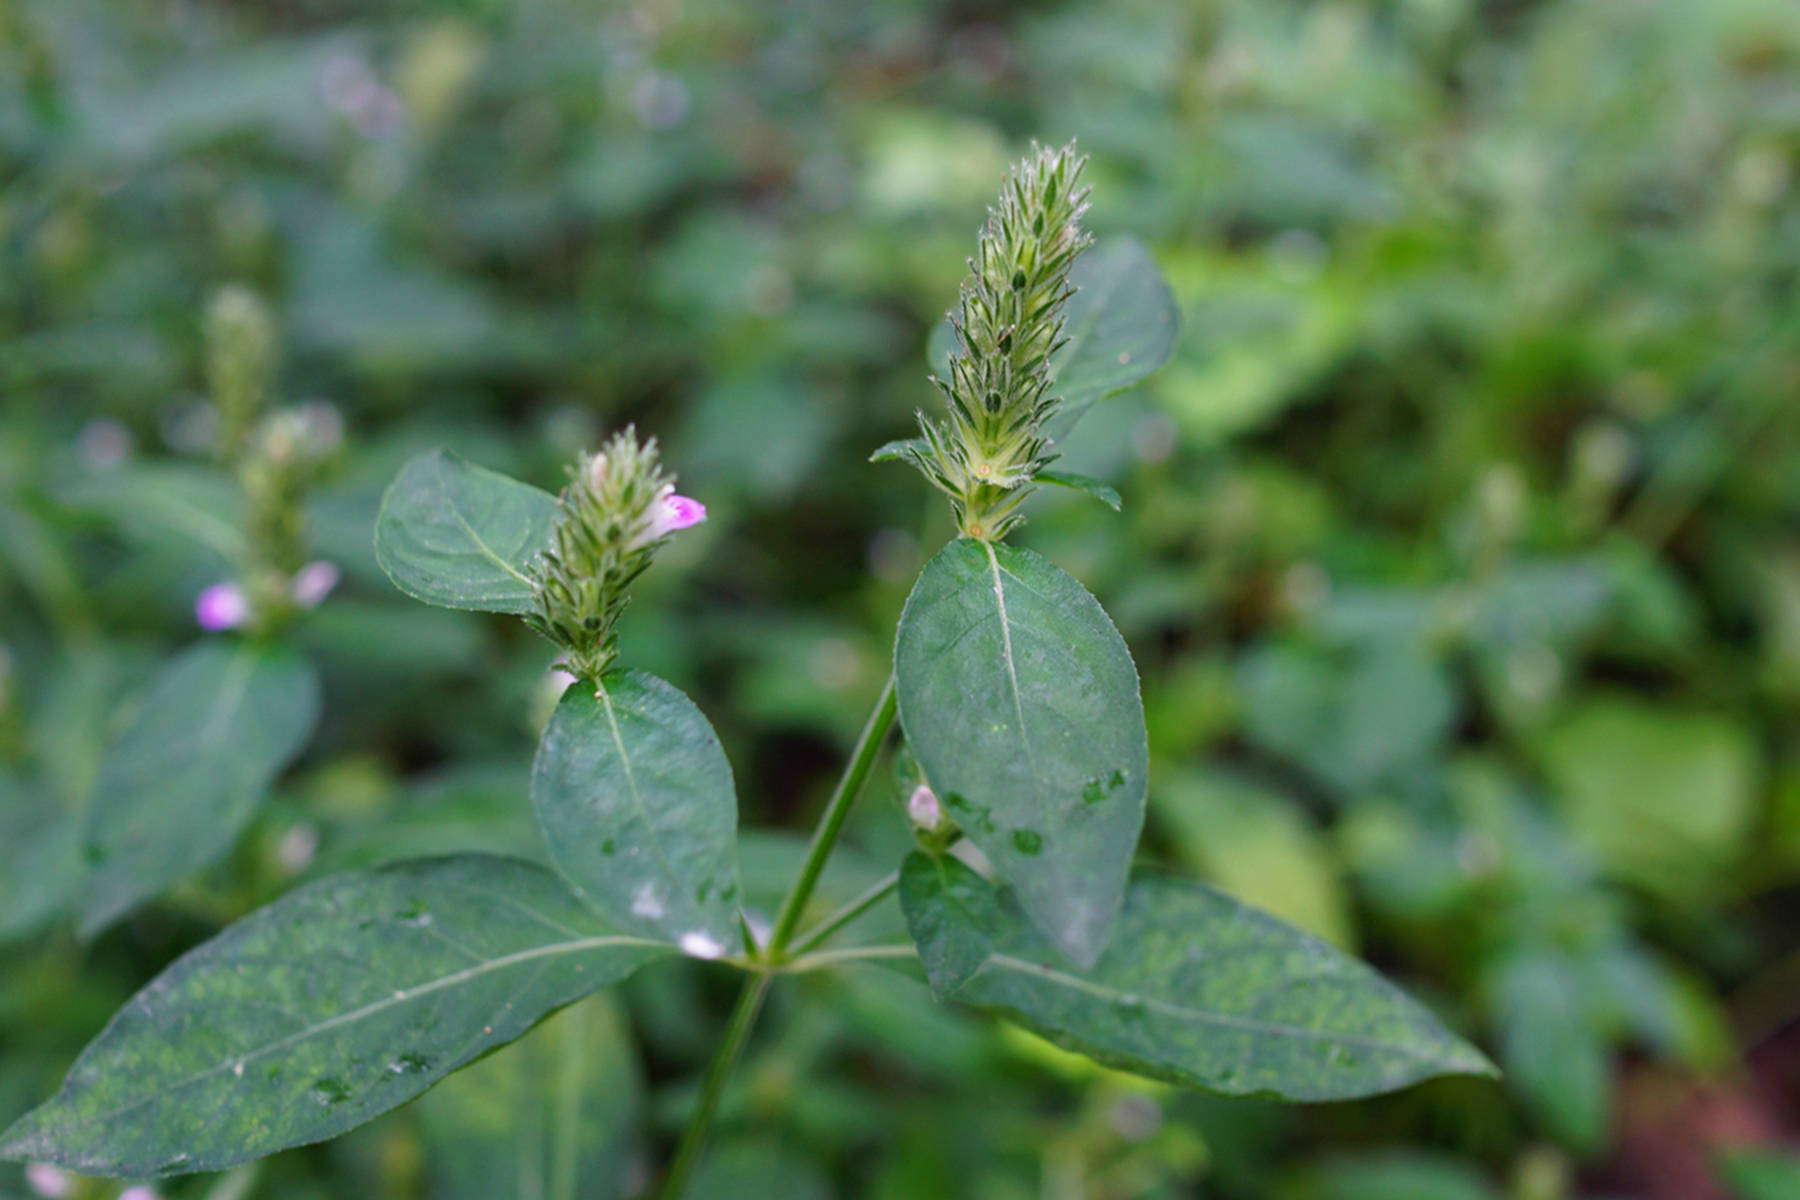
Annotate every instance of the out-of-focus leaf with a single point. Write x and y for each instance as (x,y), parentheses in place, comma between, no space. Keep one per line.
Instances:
(40,858)
(332,1005)
(462,536)
(1761,1174)
(1393,1176)
(638,808)
(738,1170)
(1663,796)
(1122,323)
(1553,1052)
(1254,843)
(1195,989)
(208,738)
(554,1114)
(1020,701)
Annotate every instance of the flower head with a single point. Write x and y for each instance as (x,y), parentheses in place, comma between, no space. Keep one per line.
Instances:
(988,449)
(617,510)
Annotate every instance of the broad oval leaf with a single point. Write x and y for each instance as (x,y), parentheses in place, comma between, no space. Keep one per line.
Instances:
(462,536)
(176,788)
(337,1002)
(1121,327)
(637,805)
(1020,701)
(1196,989)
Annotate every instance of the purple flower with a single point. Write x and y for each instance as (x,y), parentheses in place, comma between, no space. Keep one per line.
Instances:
(313,582)
(222,606)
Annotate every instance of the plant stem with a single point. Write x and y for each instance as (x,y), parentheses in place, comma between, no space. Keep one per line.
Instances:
(831,823)
(820,959)
(737,1033)
(749,1001)
(875,894)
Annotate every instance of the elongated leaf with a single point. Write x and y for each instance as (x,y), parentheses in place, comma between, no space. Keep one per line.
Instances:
(1087,485)
(334,1004)
(462,536)
(1195,989)
(553,1115)
(1020,701)
(214,729)
(638,808)
(1122,322)
(40,858)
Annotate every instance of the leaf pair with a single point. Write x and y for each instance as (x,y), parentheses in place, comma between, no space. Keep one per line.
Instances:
(631,787)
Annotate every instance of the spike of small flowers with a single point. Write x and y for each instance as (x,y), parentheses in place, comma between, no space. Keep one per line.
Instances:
(987,452)
(617,510)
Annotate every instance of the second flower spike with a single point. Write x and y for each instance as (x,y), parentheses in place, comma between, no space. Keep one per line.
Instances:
(618,508)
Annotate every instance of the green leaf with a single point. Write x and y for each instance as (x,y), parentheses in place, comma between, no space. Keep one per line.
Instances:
(209,736)
(555,1114)
(1122,322)
(462,536)
(1663,796)
(1556,1055)
(1020,701)
(1086,484)
(332,1005)
(639,811)
(1195,989)
(40,859)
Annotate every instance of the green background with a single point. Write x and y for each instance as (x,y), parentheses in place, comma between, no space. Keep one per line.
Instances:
(1460,553)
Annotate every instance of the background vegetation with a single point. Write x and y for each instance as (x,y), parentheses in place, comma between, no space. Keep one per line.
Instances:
(1461,546)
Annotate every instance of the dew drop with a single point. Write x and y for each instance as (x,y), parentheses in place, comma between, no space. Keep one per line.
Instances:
(701,945)
(410,1064)
(237,1068)
(329,1091)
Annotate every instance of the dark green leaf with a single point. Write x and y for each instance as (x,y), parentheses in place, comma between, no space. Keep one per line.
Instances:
(336,1003)
(1085,484)
(462,536)
(1020,701)
(208,738)
(1195,988)
(638,808)
(1555,1053)
(553,1115)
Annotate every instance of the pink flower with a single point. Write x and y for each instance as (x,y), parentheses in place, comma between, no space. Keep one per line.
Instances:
(681,511)
(922,806)
(313,582)
(220,607)
(669,514)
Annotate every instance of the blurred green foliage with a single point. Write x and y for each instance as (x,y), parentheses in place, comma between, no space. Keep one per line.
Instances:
(1461,544)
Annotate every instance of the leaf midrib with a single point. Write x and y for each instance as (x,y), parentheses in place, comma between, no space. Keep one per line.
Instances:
(1197,1015)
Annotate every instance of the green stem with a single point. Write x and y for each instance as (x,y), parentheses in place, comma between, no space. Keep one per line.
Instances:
(820,959)
(832,822)
(737,1033)
(875,894)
